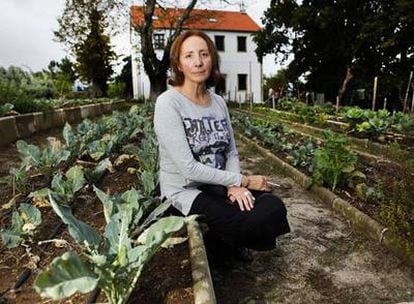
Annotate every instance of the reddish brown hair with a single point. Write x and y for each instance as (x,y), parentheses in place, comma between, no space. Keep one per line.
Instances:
(177,78)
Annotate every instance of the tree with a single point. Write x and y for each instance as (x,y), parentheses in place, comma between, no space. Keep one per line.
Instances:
(278,82)
(62,74)
(122,85)
(65,68)
(338,44)
(155,68)
(82,28)
(14,83)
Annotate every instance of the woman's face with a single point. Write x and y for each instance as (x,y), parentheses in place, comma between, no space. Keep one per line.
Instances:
(195,60)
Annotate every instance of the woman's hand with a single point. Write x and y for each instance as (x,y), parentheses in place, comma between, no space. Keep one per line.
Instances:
(242,196)
(258,182)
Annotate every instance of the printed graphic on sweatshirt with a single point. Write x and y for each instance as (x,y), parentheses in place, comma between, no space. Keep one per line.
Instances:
(209,139)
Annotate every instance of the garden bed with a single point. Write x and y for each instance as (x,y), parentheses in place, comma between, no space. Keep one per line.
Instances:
(167,278)
(378,148)
(385,193)
(25,125)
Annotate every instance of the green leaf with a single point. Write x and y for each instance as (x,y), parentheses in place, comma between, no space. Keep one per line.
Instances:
(24,221)
(131,197)
(29,154)
(158,232)
(348,169)
(94,175)
(40,193)
(116,233)
(359,174)
(68,135)
(58,184)
(107,202)
(97,149)
(80,231)
(30,214)
(149,180)
(66,275)
(156,213)
(10,238)
(75,178)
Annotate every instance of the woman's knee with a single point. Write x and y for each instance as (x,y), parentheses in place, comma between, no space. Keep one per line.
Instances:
(271,204)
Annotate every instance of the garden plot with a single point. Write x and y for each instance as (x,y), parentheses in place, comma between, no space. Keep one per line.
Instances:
(378,187)
(323,260)
(107,199)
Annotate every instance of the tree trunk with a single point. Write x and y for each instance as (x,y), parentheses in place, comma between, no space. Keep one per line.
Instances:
(96,90)
(155,68)
(347,79)
(158,85)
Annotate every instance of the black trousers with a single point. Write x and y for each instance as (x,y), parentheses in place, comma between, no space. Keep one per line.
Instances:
(256,229)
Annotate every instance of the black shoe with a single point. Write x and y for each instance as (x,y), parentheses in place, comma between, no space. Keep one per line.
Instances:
(244,255)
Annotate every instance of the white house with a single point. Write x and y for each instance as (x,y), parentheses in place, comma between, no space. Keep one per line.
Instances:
(232,33)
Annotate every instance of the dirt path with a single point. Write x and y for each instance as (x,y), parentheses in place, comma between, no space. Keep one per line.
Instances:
(323,260)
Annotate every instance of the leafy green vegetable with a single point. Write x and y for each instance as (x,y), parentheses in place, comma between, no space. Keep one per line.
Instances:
(65,276)
(64,187)
(333,163)
(116,265)
(45,160)
(24,223)
(19,179)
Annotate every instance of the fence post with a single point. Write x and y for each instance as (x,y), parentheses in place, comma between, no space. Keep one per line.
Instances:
(406,92)
(337,103)
(412,103)
(374,96)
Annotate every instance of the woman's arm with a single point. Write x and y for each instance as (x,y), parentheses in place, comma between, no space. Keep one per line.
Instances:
(171,136)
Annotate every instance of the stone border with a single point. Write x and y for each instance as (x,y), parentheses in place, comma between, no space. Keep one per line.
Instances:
(358,219)
(15,127)
(202,283)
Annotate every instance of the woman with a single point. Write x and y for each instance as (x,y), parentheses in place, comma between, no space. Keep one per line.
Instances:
(199,163)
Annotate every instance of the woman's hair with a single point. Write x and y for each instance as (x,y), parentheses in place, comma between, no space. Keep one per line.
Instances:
(177,77)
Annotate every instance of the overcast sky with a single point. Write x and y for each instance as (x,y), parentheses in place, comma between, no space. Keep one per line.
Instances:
(26,32)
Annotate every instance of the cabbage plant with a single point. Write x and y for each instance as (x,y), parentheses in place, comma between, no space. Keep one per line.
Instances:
(64,186)
(112,261)
(24,223)
(46,160)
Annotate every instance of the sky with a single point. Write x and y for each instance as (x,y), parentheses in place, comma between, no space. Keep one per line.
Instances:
(27,40)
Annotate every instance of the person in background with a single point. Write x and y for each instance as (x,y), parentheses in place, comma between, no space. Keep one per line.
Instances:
(199,163)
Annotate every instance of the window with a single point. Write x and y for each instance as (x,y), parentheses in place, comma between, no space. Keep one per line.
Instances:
(241,43)
(159,41)
(219,40)
(242,81)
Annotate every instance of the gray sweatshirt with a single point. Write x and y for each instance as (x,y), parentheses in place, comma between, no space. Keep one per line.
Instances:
(196,147)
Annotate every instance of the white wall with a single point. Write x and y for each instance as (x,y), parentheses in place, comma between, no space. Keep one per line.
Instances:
(232,63)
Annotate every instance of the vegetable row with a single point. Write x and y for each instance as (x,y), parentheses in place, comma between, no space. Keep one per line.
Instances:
(111,259)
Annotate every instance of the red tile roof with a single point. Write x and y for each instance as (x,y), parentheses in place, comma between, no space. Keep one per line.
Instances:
(200,19)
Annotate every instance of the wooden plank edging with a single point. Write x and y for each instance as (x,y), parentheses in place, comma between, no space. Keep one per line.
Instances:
(357,218)
(15,127)
(202,282)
